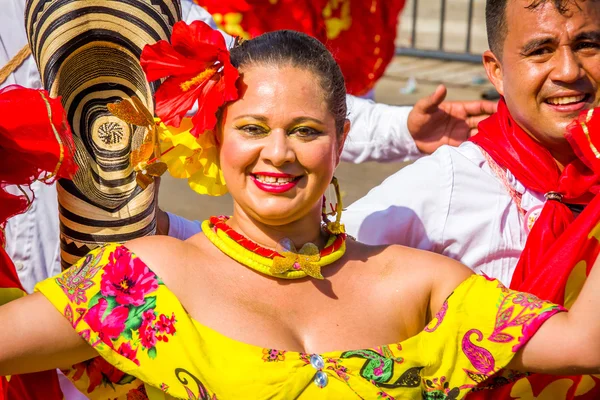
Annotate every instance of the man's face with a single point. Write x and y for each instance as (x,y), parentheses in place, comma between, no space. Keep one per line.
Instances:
(550,67)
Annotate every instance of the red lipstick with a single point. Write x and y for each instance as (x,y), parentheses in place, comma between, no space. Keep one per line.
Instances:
(275,187)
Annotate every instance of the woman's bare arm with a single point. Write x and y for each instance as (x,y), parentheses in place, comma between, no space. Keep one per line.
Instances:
(36,337)
(568,343)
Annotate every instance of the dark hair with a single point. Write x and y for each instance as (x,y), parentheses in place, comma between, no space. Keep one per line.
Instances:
(301,51)
(495,19)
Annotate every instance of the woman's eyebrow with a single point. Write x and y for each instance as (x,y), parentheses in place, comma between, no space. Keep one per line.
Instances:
(260,118)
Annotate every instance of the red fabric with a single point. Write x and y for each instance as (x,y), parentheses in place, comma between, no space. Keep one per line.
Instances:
(558,243)
(31,128)
(359,34)
(368,46)
(197,66)
(512,148)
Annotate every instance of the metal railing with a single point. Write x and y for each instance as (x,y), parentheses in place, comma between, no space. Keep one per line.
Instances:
(441,53)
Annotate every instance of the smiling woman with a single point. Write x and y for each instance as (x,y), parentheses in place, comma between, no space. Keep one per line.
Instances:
(238,312)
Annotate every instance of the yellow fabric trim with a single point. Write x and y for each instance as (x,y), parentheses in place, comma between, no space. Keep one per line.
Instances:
(10,294)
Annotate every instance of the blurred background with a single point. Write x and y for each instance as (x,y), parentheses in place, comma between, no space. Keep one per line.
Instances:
(437,41)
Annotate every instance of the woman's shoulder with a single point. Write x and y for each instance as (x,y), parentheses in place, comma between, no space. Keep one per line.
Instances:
(167,257)
(436,273)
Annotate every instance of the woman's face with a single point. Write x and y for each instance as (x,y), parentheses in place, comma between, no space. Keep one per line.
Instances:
(278,145)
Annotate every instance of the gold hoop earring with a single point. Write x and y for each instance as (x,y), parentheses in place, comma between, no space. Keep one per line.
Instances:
(334,227)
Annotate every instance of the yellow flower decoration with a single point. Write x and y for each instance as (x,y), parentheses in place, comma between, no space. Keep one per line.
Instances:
(191,158)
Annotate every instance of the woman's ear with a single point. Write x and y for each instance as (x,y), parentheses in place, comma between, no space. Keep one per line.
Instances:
(342,141)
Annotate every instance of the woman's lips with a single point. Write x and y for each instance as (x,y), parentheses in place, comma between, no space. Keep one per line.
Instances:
(275,182)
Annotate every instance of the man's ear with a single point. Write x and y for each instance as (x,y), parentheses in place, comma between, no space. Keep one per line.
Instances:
(342,140)
(493,69)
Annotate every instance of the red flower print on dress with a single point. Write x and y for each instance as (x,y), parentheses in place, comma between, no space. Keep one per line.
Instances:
(165,324)
(128,352)
(148,335)
(127,278)
(98,371)
(109,327)
(197,66)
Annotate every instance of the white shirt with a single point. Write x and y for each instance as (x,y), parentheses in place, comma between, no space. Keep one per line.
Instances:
(451,203)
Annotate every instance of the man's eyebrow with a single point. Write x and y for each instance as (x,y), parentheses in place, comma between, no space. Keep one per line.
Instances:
(535,43)
(593,36)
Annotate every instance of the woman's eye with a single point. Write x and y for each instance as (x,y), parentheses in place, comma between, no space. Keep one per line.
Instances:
(253,129)
(304,131)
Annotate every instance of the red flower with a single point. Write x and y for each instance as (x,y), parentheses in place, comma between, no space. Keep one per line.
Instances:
(148,335)
(110,327)
(166,325)
(127,278)
(98,371)
(128,352)
(148,316)
(197,67)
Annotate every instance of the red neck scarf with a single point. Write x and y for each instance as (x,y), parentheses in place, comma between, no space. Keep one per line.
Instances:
(560,249)
(512,148)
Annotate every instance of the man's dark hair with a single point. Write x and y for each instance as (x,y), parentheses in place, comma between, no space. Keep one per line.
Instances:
(495,19)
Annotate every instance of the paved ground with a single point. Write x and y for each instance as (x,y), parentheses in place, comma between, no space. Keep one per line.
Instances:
(356,180)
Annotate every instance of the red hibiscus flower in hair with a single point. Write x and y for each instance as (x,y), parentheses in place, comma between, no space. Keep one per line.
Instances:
(197,66)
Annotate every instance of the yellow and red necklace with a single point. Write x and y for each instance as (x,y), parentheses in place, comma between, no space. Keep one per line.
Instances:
(286,263)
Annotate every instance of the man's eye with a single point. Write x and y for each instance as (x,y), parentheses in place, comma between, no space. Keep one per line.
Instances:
(588,45)
(540,51)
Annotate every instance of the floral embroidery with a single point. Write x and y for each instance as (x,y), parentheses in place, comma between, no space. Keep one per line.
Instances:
(128,352)
(439,317)
(271,355)
(339,369)
(126,278)
(379,367)
(480,358)
(529,321)
(439,389)
(528,301)
(111,326)
(100,372)
(384,395)
(201,390)
(138,393)
(77,280)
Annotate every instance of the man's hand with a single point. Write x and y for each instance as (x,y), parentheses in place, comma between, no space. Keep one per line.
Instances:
(433,123)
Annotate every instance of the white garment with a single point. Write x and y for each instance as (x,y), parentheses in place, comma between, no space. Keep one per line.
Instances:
(378,132)
(450,203)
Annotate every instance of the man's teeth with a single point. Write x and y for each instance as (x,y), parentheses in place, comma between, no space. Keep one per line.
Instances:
(565,100)
(272,179)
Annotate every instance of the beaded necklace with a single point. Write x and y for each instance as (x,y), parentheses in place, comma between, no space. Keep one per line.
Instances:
(287,263)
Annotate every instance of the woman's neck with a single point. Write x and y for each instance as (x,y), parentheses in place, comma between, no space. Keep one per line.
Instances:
(304,230)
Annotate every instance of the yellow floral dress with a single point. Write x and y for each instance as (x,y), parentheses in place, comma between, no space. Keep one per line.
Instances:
(150,348)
